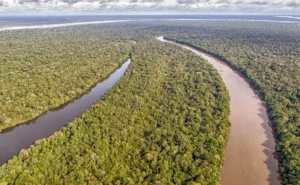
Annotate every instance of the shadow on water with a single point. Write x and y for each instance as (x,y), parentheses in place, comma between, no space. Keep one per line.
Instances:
(59,107)
(264,144)
(274,176)
(12,140)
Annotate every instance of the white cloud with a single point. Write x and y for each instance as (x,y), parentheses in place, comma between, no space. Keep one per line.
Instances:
(150,5)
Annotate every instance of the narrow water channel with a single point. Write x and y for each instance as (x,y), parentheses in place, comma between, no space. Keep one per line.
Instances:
(249,158)
(20,137)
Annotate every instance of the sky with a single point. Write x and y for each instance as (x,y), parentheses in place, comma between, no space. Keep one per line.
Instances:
(291,7)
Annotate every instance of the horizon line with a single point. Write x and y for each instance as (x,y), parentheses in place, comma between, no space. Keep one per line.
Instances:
(142,14)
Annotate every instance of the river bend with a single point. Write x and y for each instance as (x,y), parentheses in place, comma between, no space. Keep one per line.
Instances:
(22,136)
(249,154)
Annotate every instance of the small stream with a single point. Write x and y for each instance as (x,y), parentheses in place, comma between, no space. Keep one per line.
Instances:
(249,154)
(14,139)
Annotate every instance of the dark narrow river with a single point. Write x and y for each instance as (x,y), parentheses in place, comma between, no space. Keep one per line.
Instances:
(249,153)
(20,137)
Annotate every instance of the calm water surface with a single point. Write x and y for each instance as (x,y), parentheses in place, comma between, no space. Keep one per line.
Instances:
(249,158)
(14,139)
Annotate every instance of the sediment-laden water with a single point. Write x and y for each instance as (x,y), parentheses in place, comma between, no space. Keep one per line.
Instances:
(249,155)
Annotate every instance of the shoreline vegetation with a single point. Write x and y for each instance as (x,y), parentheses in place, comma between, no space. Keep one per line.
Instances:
(249,150)
(31,92)
(122,139)
(8,129)
(267,71)
(148,128)
(22,137)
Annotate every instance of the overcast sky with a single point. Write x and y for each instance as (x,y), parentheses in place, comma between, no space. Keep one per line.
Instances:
(151,6)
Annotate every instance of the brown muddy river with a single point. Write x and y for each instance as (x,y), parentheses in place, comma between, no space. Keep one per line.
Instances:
(14,139)
(249,153)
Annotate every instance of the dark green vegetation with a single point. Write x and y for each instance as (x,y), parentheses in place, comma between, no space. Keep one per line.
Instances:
(42,69)
(165,122)
(268,55)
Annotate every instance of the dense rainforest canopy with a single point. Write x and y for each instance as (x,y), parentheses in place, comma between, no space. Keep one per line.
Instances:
(42,69)
(165,122)
(268,55)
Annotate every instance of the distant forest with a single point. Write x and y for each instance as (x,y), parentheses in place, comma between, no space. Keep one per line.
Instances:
(167,120)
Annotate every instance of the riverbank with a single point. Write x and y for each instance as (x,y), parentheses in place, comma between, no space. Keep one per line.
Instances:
(146,129)
(14,139)
(249,153)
